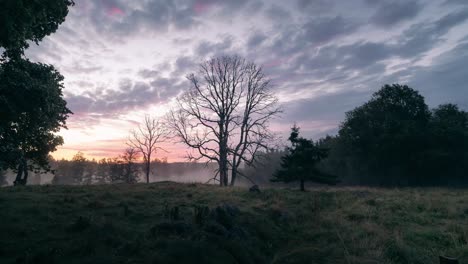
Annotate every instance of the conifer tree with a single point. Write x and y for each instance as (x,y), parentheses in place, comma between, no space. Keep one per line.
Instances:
(300,162)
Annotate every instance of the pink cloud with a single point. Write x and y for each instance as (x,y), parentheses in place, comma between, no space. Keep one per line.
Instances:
(201,7)
(115,11)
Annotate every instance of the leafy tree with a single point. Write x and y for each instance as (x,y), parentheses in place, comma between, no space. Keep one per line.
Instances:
(62,173)
(116,169)
(31,104)
(131,171)
(339,163)
(300,163)
(388,134)
(32,110)
(25,20)
(77,168)
(447,157)
(102,171)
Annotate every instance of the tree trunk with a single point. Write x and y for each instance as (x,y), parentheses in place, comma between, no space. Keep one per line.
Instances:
(19,174)
(223,162)
(22,170)
(147,170)
(233,176)
(302,185)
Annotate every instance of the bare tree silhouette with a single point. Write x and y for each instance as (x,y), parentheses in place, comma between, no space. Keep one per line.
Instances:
(224,117)
(145,140)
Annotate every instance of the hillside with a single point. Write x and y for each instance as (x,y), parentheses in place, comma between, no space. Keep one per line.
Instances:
(193,223)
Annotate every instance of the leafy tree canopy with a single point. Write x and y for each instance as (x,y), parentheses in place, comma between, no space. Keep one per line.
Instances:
(32,110)
(388,130)
(29,20)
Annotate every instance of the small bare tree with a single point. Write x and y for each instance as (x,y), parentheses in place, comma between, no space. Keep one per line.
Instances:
(224,117)
(145,140)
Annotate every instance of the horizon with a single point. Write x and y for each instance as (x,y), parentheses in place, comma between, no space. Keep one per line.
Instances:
(122,60)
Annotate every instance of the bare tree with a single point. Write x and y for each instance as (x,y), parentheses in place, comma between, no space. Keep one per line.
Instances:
(224,117)
(145,140)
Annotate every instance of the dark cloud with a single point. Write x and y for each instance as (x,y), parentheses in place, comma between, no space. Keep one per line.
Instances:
(314,6)
(318,47)
(256,39)
(184,64)
(446,80)
(330,107)
(117,18)
(218,47)
(456,2)
(421,37)
(130,95)
(321,30)
(277,13)
(83,67)
(148,74)
(390,13)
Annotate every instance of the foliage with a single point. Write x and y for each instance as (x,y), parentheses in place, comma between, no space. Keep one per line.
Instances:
(24,20)
(301,160)
(125,168)
(447,155)
(32,110)
(394,139)
(137,224)
(71,172)
(387,133)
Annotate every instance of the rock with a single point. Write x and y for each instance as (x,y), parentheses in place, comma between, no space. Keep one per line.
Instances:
(254,189)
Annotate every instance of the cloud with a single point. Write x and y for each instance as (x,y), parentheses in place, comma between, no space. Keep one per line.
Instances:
(276,13)
(390,13)
(314,6)
(421,37)
(130,95)
(324,57)
(326,107)
(445,81)
(217,47)
(322,30)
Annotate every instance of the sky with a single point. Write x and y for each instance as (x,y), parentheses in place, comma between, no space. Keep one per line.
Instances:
(124,59)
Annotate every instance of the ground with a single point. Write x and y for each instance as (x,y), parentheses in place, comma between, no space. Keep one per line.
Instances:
(194,223)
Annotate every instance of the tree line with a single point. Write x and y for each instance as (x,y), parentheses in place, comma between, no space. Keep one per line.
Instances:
(394,139)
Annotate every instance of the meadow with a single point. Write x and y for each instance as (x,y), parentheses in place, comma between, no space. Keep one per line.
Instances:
(194,223)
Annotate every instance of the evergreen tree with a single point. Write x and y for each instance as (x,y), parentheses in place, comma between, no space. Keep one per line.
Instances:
(300,163)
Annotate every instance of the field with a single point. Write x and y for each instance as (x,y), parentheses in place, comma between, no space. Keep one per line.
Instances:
(194,223)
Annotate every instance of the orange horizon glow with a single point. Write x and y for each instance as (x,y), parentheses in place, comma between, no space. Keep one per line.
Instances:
(113,148)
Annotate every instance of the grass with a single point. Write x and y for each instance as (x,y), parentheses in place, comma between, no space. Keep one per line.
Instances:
(194,223)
